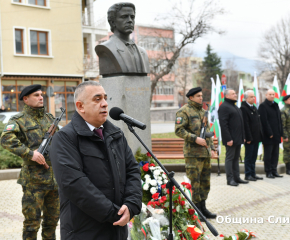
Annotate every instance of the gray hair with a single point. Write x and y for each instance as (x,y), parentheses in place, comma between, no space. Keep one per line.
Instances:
(246,94)
(81,87)
(112,12)
(226,92)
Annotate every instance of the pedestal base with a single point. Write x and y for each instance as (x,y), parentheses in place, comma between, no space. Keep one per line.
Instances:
(132,95)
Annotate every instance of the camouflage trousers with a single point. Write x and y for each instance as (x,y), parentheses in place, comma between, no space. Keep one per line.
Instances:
(286,152)
(35,201)
(198,171)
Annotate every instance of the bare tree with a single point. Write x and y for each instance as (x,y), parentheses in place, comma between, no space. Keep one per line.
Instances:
(275,49)
(183,74)
(189,23)
(231,73)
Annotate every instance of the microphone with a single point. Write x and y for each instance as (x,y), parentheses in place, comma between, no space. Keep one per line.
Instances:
(118,114)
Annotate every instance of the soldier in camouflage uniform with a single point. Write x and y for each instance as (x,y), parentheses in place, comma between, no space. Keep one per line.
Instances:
(285,116)
(197,151)
(22,136)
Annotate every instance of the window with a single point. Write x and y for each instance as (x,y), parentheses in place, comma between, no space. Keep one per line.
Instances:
(19,48)
(37,2)
(17,1)
(39,43)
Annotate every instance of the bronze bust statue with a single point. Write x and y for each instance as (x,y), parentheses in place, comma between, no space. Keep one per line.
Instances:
(120,55)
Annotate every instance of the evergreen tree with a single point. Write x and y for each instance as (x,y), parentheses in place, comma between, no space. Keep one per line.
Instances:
(210,67)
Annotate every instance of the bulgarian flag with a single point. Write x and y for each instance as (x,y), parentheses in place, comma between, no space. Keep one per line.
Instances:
(212,111)
(219,97)
(276,90)
(286,89)
(215,128)
(256,91)
(277,100)
(241,94)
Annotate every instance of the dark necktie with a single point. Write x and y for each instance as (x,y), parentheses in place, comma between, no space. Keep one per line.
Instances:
(99,132)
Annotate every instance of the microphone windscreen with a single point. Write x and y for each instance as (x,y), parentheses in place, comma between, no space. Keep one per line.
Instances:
(115,113)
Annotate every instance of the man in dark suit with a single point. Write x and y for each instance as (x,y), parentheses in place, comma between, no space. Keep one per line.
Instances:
(272,132)
(98,177)
(120,55)
(232,129)
(253,132)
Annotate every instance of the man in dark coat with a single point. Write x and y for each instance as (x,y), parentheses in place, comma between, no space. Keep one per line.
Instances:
(98,176)
(253,133)
(232,130)
(270,116)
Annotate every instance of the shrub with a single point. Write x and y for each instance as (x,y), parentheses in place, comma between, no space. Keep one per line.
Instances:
(8,159)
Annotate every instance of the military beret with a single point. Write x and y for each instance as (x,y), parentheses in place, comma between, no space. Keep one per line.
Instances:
(285,98)
(193,91)
(28,90)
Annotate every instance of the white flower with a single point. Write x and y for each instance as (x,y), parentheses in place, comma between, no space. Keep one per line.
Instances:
(159,178)
(147,176)
(153,190)
(146,187)
(153,182)
(147,180)
(165,181)
(144,208)
(164,176)
(159,182)
(156,172)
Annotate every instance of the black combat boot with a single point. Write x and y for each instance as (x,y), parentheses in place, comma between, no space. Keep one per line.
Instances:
(205,212)
(198,205)
(288,168)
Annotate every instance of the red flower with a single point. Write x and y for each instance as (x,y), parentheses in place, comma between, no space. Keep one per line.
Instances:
(173,210)
(182,203)
(221,235)
(157,203)
(148,154)
(155,196)
(163,199)
(163,186)
(183,183)
(146,167)
(149,203)
(152,165)
(191,211)
(188,186)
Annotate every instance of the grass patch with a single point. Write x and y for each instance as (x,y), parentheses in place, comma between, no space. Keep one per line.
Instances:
(222,154)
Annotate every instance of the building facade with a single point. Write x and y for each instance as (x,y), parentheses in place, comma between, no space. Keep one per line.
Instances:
(41,43)
(159,42)
(93,30)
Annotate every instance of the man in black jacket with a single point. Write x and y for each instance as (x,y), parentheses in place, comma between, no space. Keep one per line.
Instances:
(272,132)
(232,129)
(99,179)
(253,132)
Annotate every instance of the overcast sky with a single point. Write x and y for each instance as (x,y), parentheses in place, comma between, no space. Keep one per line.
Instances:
(244,22)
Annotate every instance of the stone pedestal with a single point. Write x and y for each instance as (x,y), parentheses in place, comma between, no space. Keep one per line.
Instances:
(132,95)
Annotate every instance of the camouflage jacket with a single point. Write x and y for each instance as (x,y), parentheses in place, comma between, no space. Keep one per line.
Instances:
(188,126)
(285,116)
(22,135)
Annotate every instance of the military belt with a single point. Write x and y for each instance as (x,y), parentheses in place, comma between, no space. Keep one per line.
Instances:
(33,163)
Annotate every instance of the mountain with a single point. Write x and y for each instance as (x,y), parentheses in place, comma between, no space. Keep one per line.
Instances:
(242,64)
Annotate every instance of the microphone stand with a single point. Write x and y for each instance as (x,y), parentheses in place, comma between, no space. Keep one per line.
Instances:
(172,182)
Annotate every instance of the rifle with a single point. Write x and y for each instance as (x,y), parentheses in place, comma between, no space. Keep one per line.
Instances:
(48,136)
(203,133)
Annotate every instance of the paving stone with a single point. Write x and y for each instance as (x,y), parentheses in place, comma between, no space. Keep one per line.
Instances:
(260,199)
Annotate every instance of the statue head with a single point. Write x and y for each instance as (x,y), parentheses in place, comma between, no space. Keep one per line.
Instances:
(121,16)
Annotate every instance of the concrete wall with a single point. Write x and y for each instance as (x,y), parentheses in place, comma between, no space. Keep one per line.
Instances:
(62,19)
(163,113)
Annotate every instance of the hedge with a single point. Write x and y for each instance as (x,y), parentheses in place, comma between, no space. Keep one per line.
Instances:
(8,159)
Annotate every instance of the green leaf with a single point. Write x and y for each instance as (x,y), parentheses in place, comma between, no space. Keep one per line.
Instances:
(166,204)
(175,197)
